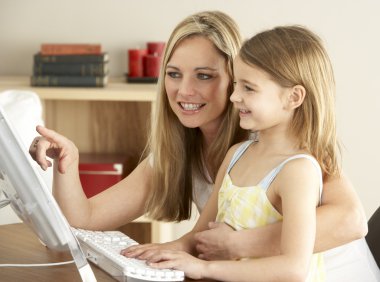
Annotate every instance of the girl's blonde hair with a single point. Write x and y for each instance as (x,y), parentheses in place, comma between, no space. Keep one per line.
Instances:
(177,150)
(293,55)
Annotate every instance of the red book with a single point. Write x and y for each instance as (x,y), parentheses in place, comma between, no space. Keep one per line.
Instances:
(98,172)
(70,49)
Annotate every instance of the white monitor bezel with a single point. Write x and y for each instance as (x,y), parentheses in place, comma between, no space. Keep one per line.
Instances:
(32,201)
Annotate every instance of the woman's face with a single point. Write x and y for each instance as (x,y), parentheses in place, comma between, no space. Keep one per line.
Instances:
(196,83)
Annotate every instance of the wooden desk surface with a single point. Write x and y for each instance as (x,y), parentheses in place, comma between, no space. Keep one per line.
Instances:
(19,245)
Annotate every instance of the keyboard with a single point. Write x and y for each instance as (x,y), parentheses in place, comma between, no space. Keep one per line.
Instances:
(102,248)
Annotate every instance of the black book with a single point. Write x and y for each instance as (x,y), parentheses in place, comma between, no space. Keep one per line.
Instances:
(69,81)
(101,58)
(73,69)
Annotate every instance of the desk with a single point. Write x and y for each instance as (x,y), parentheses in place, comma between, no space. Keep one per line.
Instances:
(18,244)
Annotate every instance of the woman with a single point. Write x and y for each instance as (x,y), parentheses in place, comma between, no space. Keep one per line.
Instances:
(193,129)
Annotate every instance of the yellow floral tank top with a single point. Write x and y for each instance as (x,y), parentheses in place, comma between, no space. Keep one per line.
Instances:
(249,207)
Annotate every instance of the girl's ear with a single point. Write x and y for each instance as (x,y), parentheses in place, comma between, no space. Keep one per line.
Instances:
(296,96)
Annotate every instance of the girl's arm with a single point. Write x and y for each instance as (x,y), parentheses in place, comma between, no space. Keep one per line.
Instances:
(340,220)
(296,194)
(110,209)
(186,242)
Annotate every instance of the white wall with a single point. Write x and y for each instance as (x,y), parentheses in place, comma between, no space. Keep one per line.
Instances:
(349,28)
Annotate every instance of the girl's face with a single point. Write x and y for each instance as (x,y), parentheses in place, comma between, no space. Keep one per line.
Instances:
(196,83)
(260,100)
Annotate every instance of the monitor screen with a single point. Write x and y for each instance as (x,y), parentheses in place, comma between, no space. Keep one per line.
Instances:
(29,197)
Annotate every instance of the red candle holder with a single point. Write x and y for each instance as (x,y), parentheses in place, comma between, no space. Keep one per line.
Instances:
(136,62)
(152,65)
(156,48)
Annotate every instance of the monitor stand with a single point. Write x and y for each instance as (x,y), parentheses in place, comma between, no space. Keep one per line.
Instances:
(80,260)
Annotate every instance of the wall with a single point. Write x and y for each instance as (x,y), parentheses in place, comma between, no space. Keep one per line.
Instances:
(349,29)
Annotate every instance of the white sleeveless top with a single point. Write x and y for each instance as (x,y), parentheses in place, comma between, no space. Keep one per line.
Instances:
(352,262)
(201,188)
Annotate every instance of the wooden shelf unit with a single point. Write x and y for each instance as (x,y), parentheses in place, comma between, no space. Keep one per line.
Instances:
(116,90)
(113,119)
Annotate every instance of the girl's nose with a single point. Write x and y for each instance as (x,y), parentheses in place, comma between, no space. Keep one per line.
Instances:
(235,97)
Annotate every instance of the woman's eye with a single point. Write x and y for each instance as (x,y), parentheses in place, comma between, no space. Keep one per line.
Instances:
(203,76)
(173,74)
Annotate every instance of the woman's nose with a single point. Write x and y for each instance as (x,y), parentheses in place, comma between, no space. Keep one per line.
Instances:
(187,87)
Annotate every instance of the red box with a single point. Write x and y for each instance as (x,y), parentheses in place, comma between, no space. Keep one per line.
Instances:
(98,172)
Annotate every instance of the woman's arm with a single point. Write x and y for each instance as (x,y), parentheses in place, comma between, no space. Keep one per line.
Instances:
(115,206)
(340,220)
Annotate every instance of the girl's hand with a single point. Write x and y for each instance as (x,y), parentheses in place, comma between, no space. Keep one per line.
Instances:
(193,268)
(147,251)
(53,145)
(214,244)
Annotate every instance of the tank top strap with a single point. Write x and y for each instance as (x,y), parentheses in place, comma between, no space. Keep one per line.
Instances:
(268,179)
(238,153)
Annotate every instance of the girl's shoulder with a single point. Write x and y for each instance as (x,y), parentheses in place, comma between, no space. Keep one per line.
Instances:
(230,154)
(239,146)
(236,146)
(301,164)
(235,152)
(301,170)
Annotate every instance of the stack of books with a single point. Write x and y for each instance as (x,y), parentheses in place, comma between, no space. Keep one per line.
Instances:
(70,65)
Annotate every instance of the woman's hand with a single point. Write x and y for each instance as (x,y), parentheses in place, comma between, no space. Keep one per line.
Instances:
(193,268)
(214,244)
(53,145)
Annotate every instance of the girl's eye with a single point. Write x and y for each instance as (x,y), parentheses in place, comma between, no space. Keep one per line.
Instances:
(173,74)
(203,76)
(247,88)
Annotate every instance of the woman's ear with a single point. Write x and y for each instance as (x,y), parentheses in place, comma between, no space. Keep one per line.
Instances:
(296,96)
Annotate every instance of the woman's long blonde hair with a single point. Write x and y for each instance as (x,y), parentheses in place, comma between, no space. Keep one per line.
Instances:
(177,150)
(293,55)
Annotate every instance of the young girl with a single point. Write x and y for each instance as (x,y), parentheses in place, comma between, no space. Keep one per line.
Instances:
(284,91)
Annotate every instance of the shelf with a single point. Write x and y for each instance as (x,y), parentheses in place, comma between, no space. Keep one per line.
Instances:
(116,90)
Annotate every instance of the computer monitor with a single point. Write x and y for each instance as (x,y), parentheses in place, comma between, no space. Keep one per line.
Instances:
(32,201)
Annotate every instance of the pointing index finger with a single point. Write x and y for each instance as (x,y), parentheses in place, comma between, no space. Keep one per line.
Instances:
(50,135)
